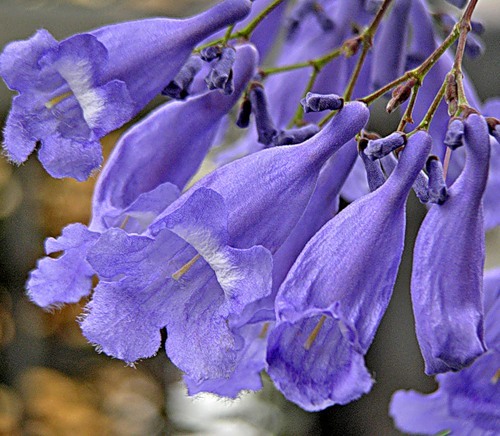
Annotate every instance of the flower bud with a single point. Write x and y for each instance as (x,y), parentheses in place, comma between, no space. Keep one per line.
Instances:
(208,54)
(265,125)
(244,114)
(295,136)
(378,148)
(178,88)
(455,134)
(400,94)
(438,191)
(221,75)
(321,102)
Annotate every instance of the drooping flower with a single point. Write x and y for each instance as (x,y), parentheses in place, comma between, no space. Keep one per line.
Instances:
(207,257)
(73,92)
(446,284)
(491,204)
(331,303)
(466,401)
(389,55)
(149,166)
(258,318)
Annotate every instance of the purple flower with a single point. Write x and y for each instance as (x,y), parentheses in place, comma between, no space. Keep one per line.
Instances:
(331,303)
(466,401)
(446,284)
(389,55)
(207,257)
(74,92)
(171,144)
(491,203)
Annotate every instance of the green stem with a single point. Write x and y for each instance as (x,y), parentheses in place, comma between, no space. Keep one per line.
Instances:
(228,33)
(298,117)
(246,32)
(426,121)
(417,73)
(355,74)
(275,70)
(317,63)
(367,40)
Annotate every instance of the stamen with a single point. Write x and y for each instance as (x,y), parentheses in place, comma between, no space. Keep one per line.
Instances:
(264,330)
(125,222)
(314,334)
(50,104)
(185,268)
(496,377)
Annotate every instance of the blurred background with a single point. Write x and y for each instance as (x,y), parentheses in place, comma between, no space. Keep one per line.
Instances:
(53,383)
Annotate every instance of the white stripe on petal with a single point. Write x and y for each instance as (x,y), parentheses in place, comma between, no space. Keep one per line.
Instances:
(79,77)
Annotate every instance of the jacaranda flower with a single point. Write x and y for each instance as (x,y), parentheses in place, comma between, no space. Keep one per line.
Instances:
(73,92)
(150,165)
(466,402)
(331,303)
(389,55)
(207,257)
(448,260)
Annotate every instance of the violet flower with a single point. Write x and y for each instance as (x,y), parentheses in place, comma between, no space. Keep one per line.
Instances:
(389,55)
(74,92)
(446,284)
(331,303)
(207,257)
(150,164)
(491,204)
(466,401)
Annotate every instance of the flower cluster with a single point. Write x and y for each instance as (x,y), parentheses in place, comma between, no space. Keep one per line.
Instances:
(254,267)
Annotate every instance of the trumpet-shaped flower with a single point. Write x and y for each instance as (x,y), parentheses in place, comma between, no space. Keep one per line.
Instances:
(448,260)
(73,92)
(207,257)
(466,401)
(331,303)
(149,165)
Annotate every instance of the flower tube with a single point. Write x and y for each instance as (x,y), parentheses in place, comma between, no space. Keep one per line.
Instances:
(331,303)
(448,260)
(73,92)
(150,165)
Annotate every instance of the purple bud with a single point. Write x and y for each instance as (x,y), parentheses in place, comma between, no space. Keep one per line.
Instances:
(438,191)
(244,114)
(474,47)
(178,88)
(378,148)
(208,54)
(455,134)
(477,27)
(221,75)
(321,102)
(374,173)
(265,125)
(421,188)
(295,136)
(458,3)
